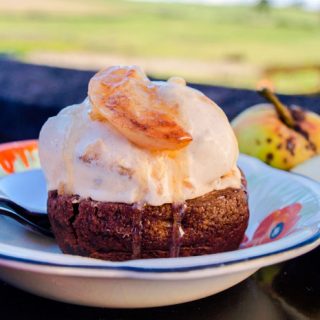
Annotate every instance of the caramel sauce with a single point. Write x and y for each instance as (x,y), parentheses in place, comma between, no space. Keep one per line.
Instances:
(177,231)
(136,231)
(187,184)
(180,169)
(179,180)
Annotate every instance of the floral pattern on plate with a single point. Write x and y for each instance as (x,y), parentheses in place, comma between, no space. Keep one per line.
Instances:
(18,156)
(275,226)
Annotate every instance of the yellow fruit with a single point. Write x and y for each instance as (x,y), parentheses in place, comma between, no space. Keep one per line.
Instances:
(311,125)
(282,138)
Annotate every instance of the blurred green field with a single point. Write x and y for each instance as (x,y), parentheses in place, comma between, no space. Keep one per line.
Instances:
(220,45)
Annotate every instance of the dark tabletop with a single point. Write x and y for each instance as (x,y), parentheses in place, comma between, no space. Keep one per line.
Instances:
(30,94)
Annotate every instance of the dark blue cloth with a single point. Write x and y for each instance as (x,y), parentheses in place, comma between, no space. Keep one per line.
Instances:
(29,94)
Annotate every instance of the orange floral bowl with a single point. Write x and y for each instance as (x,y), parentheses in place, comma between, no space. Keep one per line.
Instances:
(284,223)
(18,156)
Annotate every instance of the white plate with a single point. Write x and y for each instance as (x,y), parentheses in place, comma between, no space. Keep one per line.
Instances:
(35,263)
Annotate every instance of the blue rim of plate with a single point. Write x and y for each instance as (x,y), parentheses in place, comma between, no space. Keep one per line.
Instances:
(306,242)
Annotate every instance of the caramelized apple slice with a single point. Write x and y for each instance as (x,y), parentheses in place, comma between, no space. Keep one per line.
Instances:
(126,98)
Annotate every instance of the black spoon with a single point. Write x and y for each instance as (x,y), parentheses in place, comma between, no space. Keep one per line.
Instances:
(35,221)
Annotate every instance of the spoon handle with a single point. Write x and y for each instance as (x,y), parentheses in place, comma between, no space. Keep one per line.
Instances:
(36,223)
(15,206)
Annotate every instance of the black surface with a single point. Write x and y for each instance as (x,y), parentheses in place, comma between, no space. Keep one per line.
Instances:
(286,291)
(29,94)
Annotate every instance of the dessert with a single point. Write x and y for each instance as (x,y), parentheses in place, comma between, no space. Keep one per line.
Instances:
(143,169)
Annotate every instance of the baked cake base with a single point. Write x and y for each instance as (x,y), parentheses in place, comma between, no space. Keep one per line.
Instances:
(212,223)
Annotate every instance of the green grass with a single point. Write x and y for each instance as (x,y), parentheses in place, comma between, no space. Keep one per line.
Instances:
(236,35)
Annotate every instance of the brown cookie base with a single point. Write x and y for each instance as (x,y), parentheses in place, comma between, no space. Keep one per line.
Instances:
(212,223)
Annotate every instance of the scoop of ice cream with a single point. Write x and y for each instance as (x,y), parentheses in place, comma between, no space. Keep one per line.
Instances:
(94,152)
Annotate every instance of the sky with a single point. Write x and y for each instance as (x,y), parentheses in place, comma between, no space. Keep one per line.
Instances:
(308,4)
